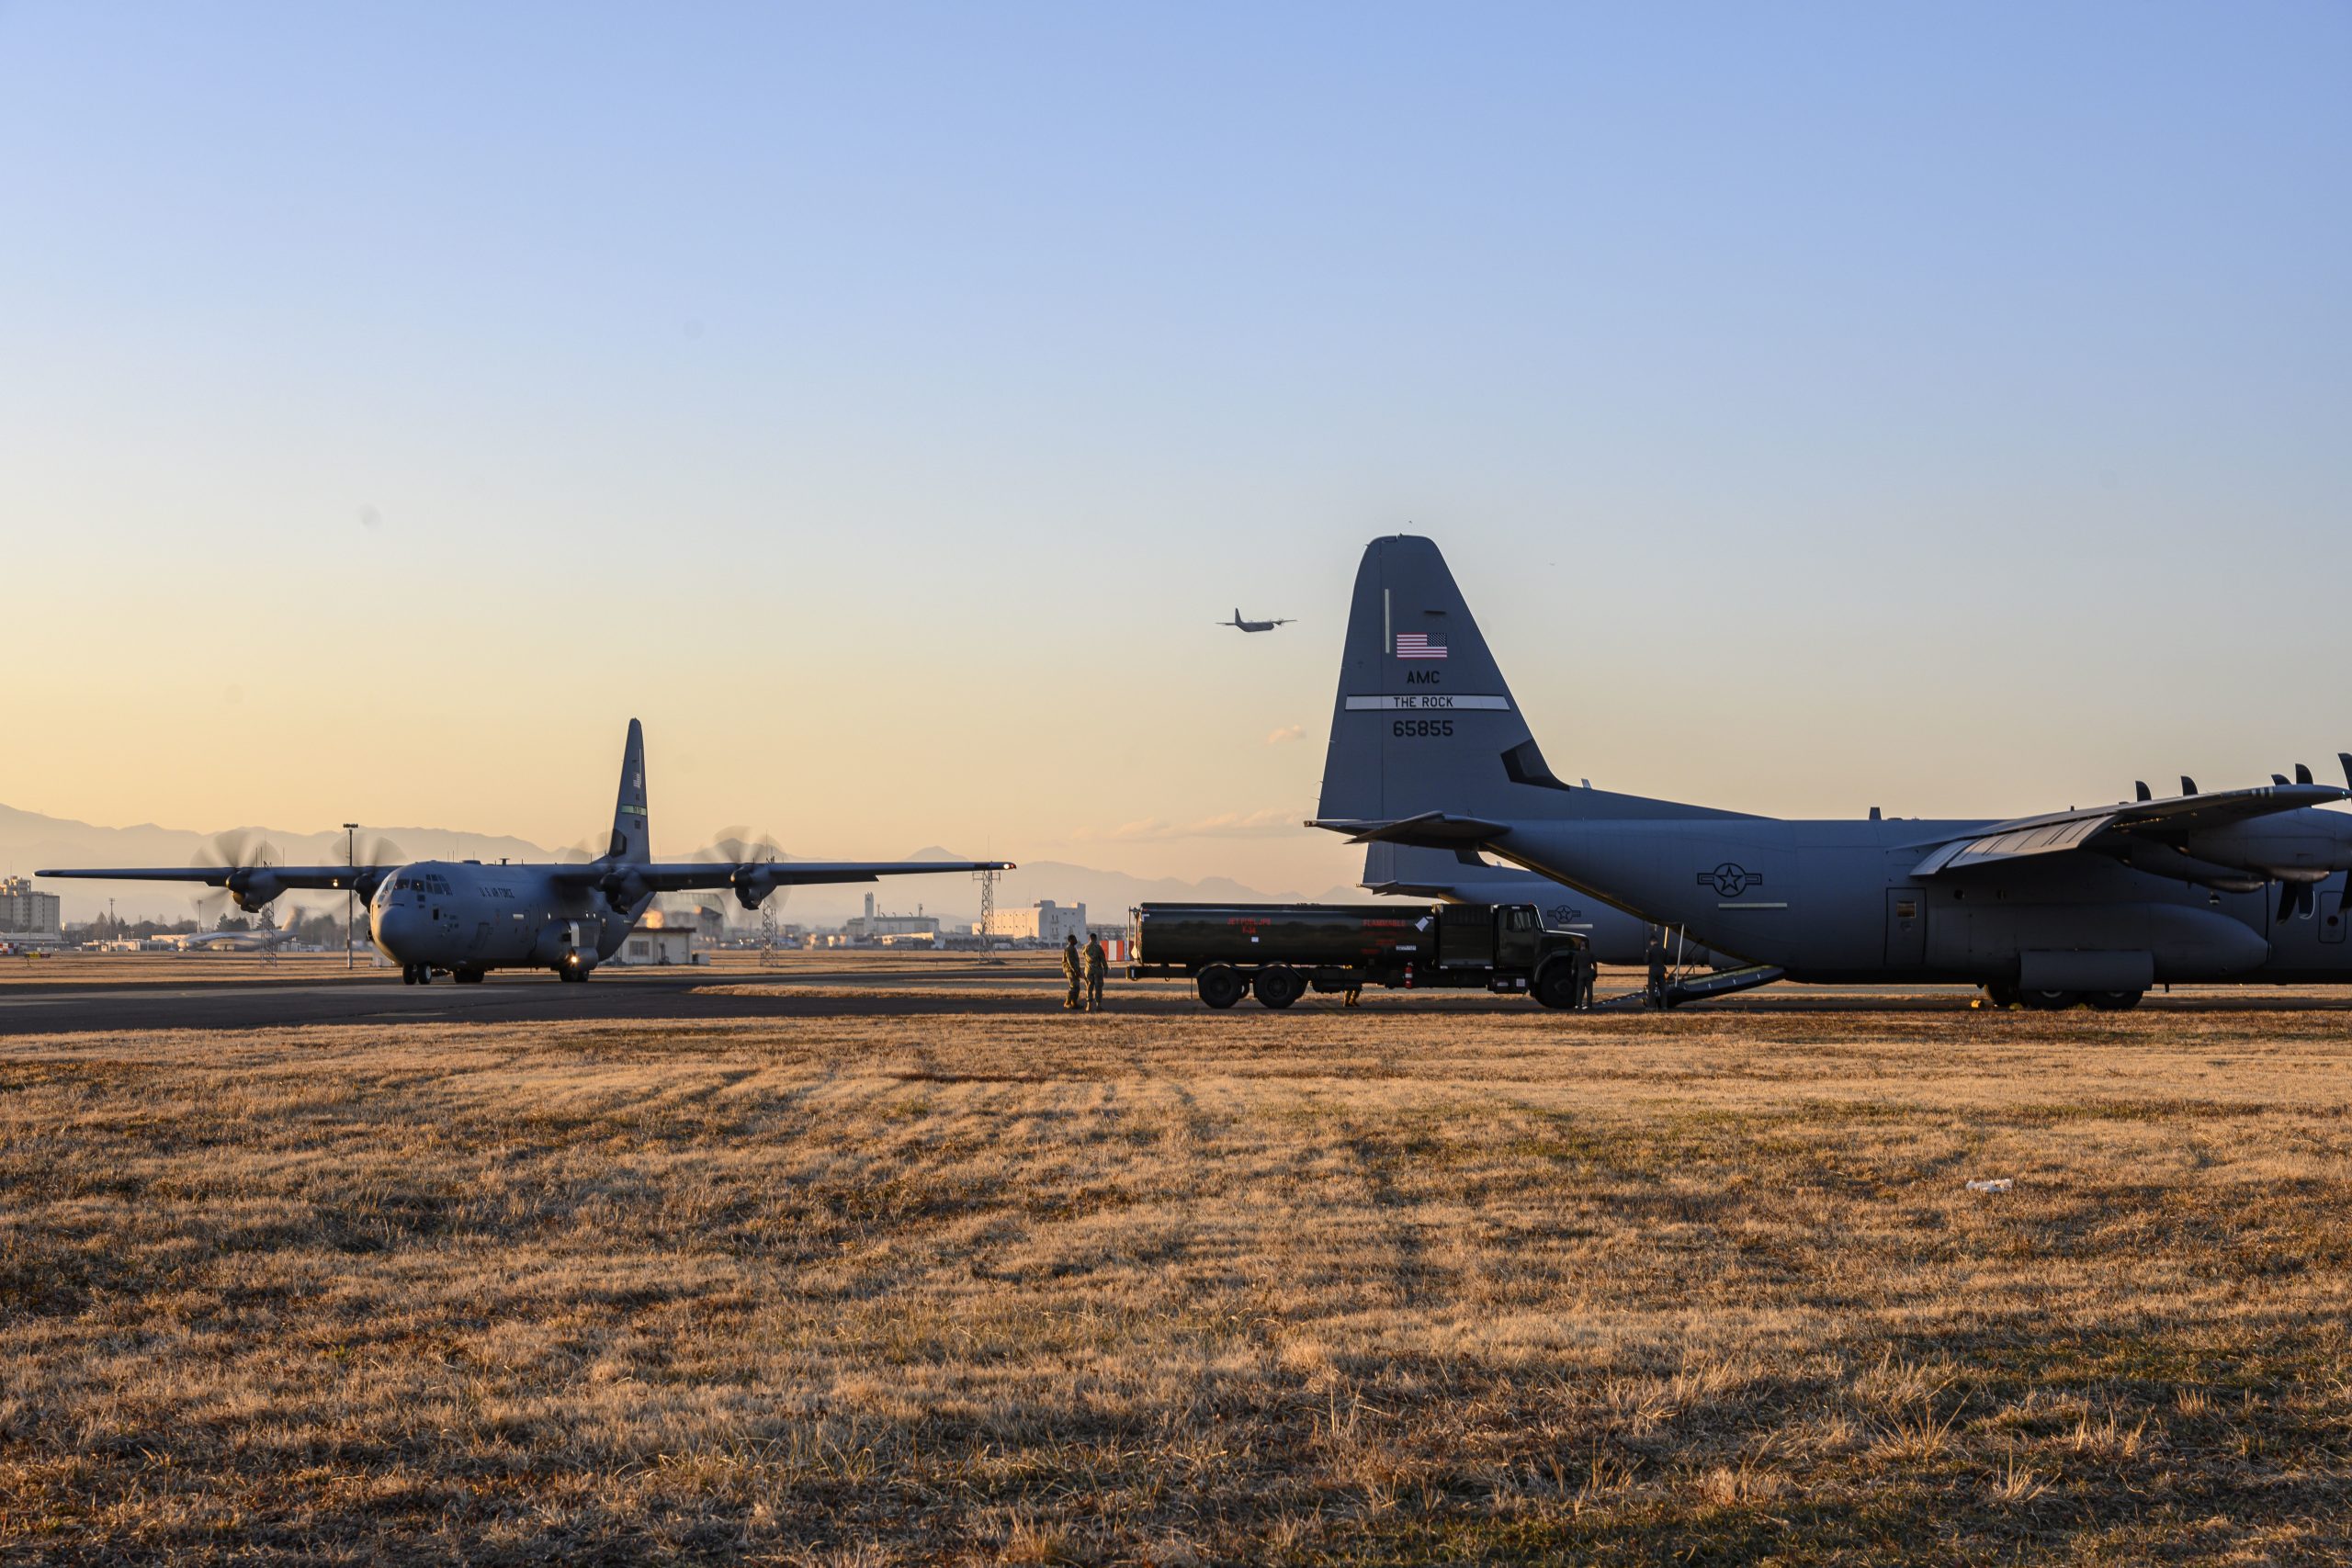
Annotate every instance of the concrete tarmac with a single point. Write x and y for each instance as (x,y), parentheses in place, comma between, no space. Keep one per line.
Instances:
(201,994)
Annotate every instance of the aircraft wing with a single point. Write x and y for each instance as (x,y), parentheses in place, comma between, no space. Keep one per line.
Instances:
(2174,816)
(686,877)
(283,877)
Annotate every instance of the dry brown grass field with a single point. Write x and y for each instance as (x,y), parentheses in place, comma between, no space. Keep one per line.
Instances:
(1323,1287)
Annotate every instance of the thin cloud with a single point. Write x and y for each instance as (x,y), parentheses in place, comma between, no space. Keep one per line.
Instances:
(1287,732)
(1226,825)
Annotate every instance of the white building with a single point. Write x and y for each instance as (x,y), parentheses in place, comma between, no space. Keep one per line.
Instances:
(28,916)
(1044,921)
(657,944)
(875,926)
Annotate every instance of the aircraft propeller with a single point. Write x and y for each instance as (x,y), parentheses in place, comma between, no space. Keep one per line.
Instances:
(740,846)
(246,855)
(580,852)
(2296,900)
(376,850)
(742,849)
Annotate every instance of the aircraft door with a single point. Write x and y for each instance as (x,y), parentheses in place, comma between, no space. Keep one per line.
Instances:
(1907,927)
(2331,910)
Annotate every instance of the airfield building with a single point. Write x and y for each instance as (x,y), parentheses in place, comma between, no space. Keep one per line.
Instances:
(875,926)
(657,944)
(1044,921)
(29,916)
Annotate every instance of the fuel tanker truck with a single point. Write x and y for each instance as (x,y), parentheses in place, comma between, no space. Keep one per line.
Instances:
(1280,951)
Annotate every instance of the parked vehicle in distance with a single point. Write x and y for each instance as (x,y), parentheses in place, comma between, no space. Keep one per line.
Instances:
(1280,951)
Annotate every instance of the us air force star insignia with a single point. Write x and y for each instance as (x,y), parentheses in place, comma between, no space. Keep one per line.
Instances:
(1731,879)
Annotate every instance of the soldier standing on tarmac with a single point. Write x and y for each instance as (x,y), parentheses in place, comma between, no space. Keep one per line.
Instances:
(1587,973)
(1657,971)
(1073,971)
(1097,962)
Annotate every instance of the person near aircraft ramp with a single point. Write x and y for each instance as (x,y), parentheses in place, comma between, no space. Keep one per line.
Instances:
(1073,971)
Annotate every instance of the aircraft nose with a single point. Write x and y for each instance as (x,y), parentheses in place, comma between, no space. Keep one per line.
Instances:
(394,929)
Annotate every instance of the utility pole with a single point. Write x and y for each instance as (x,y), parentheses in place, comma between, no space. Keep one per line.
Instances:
(987,879)
(350,890)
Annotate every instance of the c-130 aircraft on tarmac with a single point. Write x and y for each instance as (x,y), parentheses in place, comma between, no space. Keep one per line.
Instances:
(1428,750)
(464,919)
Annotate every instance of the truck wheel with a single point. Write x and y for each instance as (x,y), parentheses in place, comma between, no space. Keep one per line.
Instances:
(1279,986)
(1220,986)
(1556,987)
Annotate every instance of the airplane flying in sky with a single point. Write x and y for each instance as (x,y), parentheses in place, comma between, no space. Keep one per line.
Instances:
(1428,748)
(1240,625)
(464,919)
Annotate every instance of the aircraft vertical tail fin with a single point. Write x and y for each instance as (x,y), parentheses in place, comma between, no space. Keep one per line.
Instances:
(1424,721)
(631,837)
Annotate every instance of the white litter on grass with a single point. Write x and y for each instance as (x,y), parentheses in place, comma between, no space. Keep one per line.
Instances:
(1995,1184)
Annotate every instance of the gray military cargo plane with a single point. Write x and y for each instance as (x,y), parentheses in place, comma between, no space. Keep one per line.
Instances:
(1237,624)
(464,919)
(1428,750)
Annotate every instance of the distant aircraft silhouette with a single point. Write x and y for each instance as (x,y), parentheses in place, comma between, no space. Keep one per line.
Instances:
(1237,624)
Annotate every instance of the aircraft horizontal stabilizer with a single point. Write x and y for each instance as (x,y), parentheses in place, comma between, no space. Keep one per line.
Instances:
(1436,829)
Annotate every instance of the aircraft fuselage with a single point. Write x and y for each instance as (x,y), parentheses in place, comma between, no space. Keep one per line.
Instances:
(462,916)
(1837,902)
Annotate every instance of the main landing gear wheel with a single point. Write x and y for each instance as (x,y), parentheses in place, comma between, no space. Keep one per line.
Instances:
(2114,1001)
(1220,986)
(1556,987)
(2050,1001)
(408,973)
(1279,986)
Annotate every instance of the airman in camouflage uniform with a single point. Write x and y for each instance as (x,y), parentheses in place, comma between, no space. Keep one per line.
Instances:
(1098,962)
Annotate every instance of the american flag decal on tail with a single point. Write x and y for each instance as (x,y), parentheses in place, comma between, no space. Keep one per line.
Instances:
(1416,645)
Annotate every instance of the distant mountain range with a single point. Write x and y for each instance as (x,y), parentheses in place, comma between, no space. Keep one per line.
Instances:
(29,840)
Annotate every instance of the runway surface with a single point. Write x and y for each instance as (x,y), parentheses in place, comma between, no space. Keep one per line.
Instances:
(199,993)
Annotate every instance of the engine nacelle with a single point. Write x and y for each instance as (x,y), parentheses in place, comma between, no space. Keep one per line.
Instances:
(250,890)
(624,891)
(2162,860)
(752,889)
(2294,846)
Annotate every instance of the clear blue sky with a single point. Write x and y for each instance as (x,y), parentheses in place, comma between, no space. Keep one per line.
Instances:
(1938,406)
